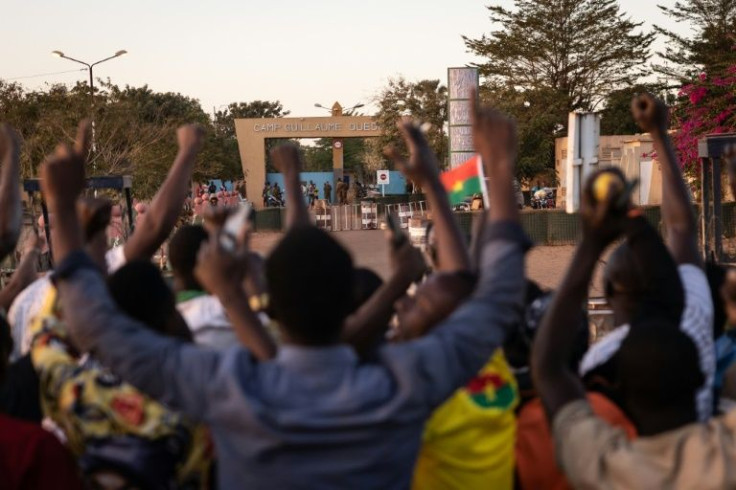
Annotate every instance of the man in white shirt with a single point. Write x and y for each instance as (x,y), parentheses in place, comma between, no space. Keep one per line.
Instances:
(628,285)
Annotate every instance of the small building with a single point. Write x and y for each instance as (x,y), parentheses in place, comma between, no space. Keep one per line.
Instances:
(631,153)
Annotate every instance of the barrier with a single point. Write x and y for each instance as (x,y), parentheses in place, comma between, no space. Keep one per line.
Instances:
(322,215)
(418,232)
(369,215)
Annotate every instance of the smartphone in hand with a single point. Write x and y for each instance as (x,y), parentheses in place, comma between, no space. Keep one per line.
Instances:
(233,227)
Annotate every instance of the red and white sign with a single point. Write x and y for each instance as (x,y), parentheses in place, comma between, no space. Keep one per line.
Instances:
(382,177)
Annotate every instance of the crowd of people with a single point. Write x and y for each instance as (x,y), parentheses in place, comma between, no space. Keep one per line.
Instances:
(302,370)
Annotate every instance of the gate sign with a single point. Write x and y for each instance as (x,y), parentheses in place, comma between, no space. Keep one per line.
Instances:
(382,177)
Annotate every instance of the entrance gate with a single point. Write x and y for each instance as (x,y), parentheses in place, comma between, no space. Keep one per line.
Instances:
(253,133)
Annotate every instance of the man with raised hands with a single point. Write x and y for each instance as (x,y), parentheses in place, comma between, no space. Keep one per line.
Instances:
(314,416)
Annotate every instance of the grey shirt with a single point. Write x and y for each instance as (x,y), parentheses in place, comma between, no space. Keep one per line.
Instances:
(312,417)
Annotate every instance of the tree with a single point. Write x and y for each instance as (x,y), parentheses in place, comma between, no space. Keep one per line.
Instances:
(707,106)
(318,158)
(577,49)
(225,120)
(135,130)
(616,117)
(711,47)
(424,101)
(538,114)
(225,123)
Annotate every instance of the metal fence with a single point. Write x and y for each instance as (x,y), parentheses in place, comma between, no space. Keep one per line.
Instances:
(365,215)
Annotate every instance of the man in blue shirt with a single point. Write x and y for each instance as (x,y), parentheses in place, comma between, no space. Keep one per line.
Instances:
(314,417)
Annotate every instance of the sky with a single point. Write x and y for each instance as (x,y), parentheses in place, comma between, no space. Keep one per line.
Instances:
(300,52)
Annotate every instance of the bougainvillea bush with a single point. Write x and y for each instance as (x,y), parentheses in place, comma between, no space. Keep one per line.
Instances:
(705,106)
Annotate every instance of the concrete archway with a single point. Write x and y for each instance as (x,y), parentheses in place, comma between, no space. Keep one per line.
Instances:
(253,133)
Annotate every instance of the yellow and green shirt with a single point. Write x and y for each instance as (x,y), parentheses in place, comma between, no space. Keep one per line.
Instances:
(468,443)
(88,403)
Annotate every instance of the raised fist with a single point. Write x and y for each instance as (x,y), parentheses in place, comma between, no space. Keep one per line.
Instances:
(190,137)
(494,137)
(9,142)
(286,158)
(62,175)
(650,113)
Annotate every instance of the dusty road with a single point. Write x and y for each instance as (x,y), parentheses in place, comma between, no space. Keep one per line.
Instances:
(546,265)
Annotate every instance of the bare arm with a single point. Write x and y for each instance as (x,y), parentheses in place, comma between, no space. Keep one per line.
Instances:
(159,220)
(422,168)
(286,159)
(221,274)
(366,326)
(677,211)
(555,382)
(494,137)
(24,274)
(10,206)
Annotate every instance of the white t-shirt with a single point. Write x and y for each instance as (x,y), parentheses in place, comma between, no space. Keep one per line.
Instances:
(208,321)
(696,322)
(29,302)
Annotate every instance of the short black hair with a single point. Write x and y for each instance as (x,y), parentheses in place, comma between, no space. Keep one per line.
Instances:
(310,278)
(627,276)
(139,289)
(367,283)
(658,365)
(184,247)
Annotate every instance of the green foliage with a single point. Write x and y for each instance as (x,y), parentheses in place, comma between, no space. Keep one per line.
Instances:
(538,114)
(547,58)
(710,48)
(225,122)
(616,117)
(135,129)
(578,49)
(424,101)
(318,158)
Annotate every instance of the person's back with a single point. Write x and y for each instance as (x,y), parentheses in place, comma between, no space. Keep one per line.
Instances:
(315,416)
(469,440)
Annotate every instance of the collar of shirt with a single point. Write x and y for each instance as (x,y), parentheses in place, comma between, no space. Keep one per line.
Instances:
(186,295)
(316,357)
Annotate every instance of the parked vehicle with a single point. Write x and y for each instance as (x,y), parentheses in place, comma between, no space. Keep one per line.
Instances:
(544,199)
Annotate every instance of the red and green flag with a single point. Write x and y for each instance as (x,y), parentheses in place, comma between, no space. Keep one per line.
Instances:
(464,180)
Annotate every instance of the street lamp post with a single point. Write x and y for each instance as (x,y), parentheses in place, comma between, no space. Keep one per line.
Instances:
(337,143)
(90,67)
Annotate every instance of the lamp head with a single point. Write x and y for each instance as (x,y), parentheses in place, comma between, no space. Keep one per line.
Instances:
(122,52)
(58,54)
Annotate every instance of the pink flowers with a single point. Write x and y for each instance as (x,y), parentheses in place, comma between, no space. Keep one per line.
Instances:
(706,106)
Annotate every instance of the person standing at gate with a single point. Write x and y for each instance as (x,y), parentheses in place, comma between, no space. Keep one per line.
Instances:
(266,192)
(328,192)
(339,193)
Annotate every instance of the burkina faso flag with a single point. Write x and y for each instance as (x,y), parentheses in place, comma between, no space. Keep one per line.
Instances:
(464,180)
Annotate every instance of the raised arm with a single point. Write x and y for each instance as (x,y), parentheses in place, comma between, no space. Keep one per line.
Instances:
(24,274)
(161,216)
(10,206)
(422,169)
(452,353)
(221,273)
(557,385)
(366,326)
(680,226)
(287,160)
(177,374)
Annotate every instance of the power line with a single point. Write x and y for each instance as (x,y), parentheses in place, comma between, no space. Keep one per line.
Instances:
(45,74)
